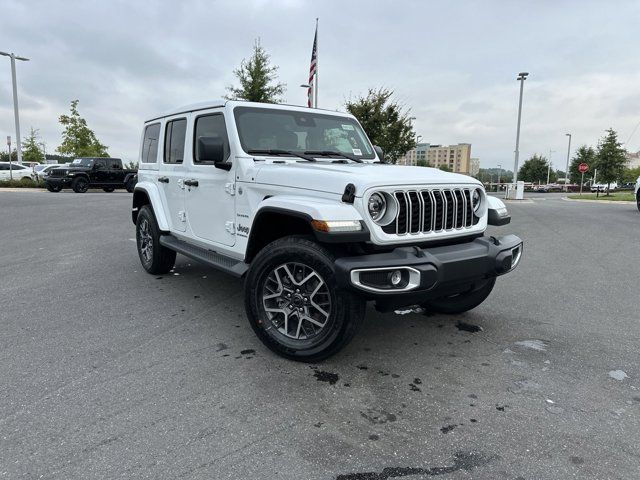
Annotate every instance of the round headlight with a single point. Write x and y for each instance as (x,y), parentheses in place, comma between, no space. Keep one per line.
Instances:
(377,206)
(475,200)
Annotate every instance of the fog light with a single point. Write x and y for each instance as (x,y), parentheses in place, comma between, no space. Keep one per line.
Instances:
(396,278)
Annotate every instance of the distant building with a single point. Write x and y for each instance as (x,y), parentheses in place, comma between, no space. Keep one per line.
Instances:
(633,159)
(474,169)
(456,157)
(412,156)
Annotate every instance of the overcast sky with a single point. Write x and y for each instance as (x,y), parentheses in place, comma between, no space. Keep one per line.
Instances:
(454,64)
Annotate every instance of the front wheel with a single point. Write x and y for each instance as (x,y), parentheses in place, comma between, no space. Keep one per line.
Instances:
(155,258)
(54,188)
(80,185)
(638,200)
(461,302)
(108,189)
(293,304)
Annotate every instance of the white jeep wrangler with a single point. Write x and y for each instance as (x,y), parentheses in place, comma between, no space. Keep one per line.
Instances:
(299,203)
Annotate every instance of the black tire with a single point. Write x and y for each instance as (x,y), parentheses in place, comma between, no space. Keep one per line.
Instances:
(313,342)
(80,185)
(130,185)
(156,259)
(638,200)
(463,302)
(53,188)
(108,189)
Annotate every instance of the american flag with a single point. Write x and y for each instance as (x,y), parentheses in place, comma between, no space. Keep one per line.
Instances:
(313,69)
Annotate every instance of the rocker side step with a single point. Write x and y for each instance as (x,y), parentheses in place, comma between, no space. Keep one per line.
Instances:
(214,259)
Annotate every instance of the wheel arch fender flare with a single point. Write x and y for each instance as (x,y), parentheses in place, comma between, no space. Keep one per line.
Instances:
(301,210)
(497,210)
(146,193)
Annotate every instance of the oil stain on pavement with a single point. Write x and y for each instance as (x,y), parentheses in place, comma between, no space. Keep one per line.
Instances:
(466,461)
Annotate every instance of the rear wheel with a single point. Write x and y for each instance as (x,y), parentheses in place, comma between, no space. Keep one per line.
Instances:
(461,302)
(293,304)
(155,258)
(108,189)
(80,185)
(638,200)
(130,185)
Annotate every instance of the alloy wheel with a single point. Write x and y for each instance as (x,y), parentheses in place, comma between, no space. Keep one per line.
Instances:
(297,301)
(146,241)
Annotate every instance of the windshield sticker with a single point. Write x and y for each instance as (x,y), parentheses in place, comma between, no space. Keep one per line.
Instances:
(347,127)
(357,151)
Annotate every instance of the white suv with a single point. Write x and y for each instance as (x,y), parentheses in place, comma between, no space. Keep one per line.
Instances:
(298,202)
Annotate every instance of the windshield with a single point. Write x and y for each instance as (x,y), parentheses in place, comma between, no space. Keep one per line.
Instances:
(271,129)
(82,162)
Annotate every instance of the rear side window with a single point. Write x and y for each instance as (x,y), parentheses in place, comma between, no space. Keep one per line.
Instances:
(116,164)
(174,141)
(150,143)
(210,126)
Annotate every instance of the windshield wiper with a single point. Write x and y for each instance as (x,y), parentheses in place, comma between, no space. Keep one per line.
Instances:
(273,151)
(328,153)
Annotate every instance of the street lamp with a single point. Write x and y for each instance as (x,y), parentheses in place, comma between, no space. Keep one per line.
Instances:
(549,166)
(499,173)
(13,58)
(522,76)
(566,172)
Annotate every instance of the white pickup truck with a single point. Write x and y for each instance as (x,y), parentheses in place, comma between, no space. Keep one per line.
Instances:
(300,204)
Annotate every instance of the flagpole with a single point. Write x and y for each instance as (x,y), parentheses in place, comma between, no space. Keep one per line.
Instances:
(315,82)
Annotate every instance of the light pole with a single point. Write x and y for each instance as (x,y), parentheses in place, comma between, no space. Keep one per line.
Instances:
(549,166)
(499,173)
(566,173)
(13,58)
(522,76)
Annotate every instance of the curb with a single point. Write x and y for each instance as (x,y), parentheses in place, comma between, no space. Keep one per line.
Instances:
(26,189)
(587,200)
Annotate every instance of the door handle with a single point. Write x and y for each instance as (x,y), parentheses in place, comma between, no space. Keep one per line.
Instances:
(191,183)
(163,179)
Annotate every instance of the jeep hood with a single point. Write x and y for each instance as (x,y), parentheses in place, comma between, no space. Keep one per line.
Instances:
(333,178)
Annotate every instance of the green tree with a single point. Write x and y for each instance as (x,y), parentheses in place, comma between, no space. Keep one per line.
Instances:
(78,140)
(422,163)
(586,155)
(445,168)
(610,159)
(535,170)
(258,79)
(31,151)
(630,175)
(386,123)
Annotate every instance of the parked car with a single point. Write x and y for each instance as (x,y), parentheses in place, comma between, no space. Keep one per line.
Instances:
(15,170)
(604,187)
(299,203)
(636,192)
(43,170)
(85,173)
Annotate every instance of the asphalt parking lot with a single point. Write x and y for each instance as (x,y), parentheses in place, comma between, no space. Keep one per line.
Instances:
(108,372)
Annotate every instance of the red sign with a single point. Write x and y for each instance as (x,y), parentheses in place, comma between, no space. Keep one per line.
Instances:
(583,168)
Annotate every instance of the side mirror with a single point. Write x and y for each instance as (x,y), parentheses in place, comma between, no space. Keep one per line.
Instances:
(379,152)
(211,149)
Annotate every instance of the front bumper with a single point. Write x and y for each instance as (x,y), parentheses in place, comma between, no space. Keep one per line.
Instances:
(55,181)
(427,273)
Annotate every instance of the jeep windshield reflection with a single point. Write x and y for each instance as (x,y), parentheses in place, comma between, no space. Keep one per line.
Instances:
(82,162)
(275,131)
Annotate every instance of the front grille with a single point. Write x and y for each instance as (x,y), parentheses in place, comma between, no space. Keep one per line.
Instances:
(57,172)
(437,210)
